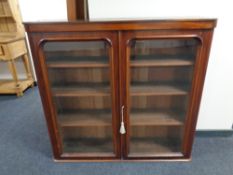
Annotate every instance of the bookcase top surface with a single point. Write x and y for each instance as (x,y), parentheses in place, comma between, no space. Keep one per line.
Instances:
(102,25)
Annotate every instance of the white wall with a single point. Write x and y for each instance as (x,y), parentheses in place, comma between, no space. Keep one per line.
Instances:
(43,10)
(216,110)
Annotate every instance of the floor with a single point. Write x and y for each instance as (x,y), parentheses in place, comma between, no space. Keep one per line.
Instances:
(25,148)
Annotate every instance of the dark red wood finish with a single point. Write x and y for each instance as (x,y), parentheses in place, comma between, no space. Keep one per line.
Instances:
(127,37)
(201,24)
(37,41)
(77,9)
(119,33)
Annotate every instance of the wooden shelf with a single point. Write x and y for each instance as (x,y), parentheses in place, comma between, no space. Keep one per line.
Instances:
(77,91)
(6,16)
(104,90)
(89,145)
(76,52)
(161,62)
(146,118)
(171,50)
(85,119)
(103,118)
(77,62)
(147,90)
(9,37)
(83,64)
(154,147)
(10,18)
(9,87)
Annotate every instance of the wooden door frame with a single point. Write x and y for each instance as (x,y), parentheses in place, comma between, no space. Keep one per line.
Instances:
(37,41)
(194,101)
(77,10)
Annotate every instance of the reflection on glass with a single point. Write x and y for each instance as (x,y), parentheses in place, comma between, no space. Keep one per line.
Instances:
(160,79)
(80,85)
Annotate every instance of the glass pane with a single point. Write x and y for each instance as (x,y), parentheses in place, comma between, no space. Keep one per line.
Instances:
(79,76)
(160,83)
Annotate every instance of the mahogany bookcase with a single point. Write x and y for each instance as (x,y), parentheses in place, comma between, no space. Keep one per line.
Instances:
(121,90)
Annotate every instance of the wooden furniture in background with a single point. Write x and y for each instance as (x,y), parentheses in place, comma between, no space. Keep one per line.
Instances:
(12,47)
(123,90)
(77,10)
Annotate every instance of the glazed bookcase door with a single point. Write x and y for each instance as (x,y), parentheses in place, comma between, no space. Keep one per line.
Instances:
(160,74)
(81,78)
